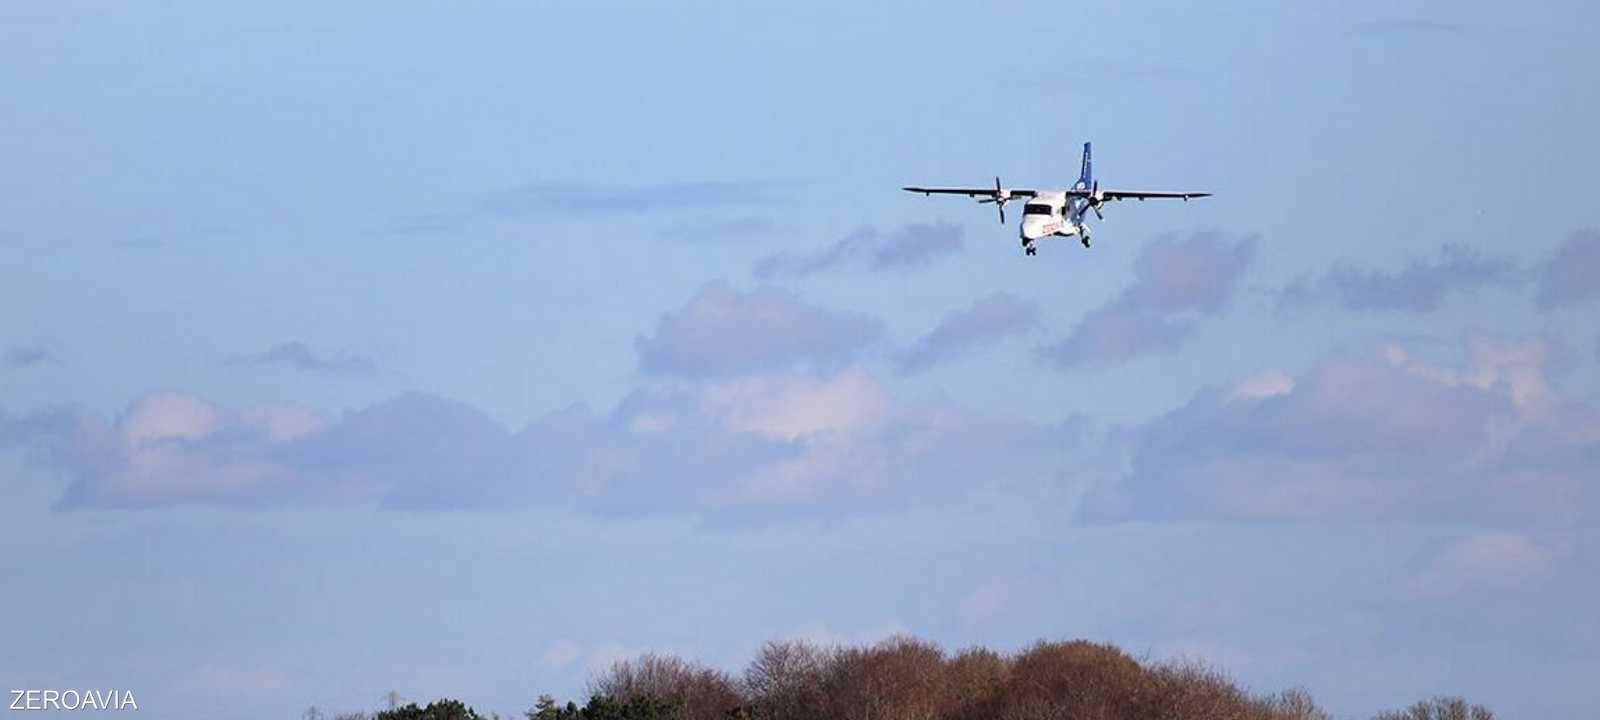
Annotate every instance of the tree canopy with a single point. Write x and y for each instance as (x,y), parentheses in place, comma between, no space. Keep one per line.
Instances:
(905,678)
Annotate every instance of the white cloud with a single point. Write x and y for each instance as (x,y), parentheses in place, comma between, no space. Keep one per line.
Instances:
(989,319)
(1391,437)
(723,332)
(793,407)
(755,447)
(168,416)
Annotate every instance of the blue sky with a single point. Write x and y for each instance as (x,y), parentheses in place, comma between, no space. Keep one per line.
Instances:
(459,350)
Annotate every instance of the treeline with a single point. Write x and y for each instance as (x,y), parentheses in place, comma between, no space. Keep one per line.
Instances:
(909,679)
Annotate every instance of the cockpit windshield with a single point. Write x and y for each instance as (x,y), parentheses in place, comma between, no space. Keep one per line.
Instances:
(1038,209)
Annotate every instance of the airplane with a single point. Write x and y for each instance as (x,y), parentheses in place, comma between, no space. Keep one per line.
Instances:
(1054,212)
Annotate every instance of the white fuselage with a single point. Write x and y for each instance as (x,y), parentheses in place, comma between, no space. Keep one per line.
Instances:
(1049,214)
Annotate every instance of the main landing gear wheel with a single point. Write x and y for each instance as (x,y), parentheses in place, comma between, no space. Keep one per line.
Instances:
(1086,241)
(1031,250)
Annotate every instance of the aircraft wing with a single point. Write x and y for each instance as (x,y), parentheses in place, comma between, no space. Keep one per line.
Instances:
(1139,194)
(973,191)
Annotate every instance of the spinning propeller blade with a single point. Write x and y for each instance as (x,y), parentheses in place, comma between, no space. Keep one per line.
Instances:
(1000,199)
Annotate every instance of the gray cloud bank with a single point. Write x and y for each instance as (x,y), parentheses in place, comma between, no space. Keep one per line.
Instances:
(1564,279)
(1383,438)
(1420,287)
(1176,281)
(755,409)
(989,319)
(722,332)
(757,413)
(1487,442)
(754,447)
(1572,275)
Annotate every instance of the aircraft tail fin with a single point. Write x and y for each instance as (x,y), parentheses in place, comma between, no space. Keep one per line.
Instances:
(1086,176)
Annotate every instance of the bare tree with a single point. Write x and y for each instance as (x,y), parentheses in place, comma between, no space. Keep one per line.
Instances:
(784,681)
(901,678)
(1075,679)
(1439,708)
(973,678)
(1294,704)
(1194,691)
(702,693)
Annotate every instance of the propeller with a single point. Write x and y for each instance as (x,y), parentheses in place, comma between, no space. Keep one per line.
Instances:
(1096,200)
(1001,197)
